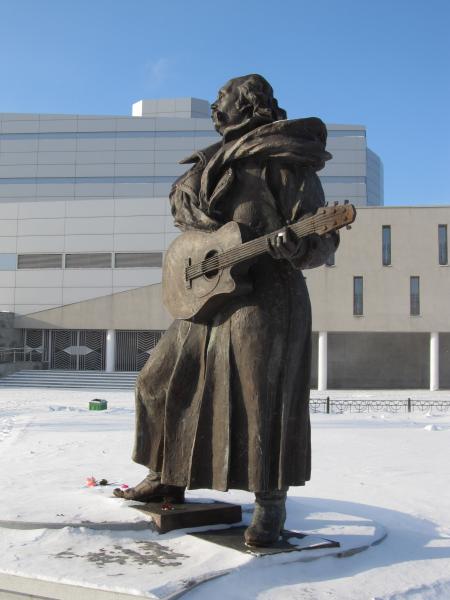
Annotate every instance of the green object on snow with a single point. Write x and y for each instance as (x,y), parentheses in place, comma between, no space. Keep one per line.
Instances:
(97,404)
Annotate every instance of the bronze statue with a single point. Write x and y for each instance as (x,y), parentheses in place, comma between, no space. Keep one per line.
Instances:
(223,400)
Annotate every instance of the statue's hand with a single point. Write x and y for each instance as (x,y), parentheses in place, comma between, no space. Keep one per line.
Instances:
(285,244)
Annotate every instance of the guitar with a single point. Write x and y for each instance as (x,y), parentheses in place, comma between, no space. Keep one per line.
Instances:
(201,270)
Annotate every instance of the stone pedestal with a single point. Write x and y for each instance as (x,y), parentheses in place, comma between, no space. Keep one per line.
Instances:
(167,517)
(290,541)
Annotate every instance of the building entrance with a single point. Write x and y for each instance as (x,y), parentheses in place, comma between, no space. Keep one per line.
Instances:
(77,349)
(86,349)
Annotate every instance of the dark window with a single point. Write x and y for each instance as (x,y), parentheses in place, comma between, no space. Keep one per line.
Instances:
(357,295)
(443,245)
(414,296)
(330,260)
(386,243)
(90,260)
(39,261)
(124,260)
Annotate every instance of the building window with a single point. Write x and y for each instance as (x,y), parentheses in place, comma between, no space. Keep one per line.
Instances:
(414,295)
(357,295)
(443,245)
(126,260)
(386,244)
(39,261)
(330,260)
(90,260)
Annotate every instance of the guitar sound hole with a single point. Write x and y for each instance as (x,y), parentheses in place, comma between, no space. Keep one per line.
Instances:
(209,259)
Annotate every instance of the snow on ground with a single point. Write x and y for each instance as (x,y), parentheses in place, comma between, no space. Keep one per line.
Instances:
(389,469)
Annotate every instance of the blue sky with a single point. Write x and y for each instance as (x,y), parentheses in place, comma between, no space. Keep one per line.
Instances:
(381,63)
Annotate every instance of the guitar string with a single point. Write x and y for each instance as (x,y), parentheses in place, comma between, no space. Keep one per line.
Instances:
(229,258)
(246,249)
(260,244)
(253,247)
(257,246)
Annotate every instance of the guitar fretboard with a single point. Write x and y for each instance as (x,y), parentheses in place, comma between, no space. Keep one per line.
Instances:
(258,246)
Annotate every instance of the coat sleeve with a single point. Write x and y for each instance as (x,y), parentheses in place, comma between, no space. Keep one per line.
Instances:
(317,250)
(299,193)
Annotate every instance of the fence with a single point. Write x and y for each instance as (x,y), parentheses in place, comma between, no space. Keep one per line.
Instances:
(13,355)
(407,405)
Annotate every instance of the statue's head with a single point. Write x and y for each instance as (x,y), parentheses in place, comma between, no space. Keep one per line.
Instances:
(245,99)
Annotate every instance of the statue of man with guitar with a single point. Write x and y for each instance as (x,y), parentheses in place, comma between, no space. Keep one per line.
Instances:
(223,400)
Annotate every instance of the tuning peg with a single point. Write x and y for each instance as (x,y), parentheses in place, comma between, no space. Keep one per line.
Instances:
(346,201)
(348,227)
(336,202)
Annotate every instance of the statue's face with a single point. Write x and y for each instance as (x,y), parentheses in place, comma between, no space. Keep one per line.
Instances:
(223,110)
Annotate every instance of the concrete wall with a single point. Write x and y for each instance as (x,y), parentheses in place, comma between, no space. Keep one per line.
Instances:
(444,361)
(378,360)
(186,108)
(414,232)
(9,337)
(137,309)
(381,361)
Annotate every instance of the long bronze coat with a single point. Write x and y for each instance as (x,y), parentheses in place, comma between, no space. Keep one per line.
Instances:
(224,404)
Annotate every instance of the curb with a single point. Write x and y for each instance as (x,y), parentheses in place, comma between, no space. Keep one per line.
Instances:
(107,526)
(14,587)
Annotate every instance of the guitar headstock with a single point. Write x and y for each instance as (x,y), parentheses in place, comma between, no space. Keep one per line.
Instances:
(330,218)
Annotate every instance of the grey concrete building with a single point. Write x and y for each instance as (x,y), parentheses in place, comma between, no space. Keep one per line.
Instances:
(85,220)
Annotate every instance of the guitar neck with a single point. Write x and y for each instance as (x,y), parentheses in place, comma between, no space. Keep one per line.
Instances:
(258,246)
(326,219)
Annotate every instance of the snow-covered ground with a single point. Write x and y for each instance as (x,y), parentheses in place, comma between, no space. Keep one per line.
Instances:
(393,470)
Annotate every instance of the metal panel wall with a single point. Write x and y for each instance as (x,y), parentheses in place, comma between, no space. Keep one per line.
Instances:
(80,350)
(133,348)
(62,343)
(36,341)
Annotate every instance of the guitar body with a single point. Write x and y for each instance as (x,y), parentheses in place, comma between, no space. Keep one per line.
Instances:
(200,298)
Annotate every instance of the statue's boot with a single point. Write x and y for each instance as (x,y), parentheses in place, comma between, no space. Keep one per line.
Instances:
(268,518)
(151,489)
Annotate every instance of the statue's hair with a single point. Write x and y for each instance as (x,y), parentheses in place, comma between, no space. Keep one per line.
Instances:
(256,93)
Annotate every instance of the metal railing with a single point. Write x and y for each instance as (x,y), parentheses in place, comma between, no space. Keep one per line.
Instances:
(13,355)
(406,405)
